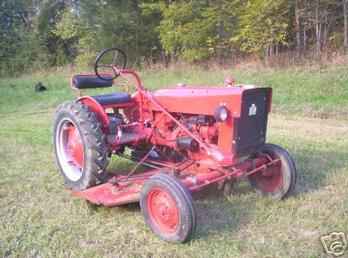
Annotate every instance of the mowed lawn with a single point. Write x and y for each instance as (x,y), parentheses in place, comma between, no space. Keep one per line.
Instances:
(38,218)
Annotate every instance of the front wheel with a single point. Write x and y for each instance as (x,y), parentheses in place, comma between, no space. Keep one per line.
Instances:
(168,208)
(280,179)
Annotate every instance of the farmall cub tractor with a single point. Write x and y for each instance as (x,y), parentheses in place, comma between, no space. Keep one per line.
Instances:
(188,137)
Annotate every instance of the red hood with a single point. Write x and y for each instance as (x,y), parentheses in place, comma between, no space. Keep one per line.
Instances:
(200,100)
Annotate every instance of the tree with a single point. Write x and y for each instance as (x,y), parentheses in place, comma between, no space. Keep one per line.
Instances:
(298,27)
(264,26)
(41,33)
(18,48)
(345,15)
(197,30)
(120,23)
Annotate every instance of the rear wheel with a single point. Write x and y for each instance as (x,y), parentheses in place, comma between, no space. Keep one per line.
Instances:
(168,208)
(80,147)
(279,180)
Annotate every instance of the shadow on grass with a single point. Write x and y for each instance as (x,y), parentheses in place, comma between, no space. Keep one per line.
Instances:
(217,214)
(315,167)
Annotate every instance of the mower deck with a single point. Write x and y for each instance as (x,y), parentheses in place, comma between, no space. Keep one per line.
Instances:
(123,189)
(118,190)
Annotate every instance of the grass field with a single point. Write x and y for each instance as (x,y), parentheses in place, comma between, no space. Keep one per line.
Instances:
(38,218)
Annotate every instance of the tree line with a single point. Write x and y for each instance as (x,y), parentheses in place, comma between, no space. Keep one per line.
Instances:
(37,34)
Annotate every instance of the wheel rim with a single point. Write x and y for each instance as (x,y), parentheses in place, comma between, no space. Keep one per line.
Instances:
(272,181)
(70,150)
(163,210)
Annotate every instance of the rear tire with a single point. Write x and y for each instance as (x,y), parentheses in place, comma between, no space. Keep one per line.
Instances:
(168,208)
(81,155)
(281,183)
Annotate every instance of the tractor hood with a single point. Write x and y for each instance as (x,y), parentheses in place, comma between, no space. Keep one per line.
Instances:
(202,100)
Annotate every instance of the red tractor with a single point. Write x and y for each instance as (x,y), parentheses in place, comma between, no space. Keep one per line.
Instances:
(188,138)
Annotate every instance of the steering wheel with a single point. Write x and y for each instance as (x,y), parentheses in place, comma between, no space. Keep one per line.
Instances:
(110,61)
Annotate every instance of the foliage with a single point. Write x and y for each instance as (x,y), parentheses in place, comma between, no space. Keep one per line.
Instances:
(68,27)
(41,33)
(12,34)
(196,30)
(263,23)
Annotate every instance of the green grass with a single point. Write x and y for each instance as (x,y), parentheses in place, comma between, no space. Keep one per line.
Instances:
(38,218)
(318,93)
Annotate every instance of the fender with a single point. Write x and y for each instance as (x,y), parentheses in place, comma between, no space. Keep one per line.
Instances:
(98,109)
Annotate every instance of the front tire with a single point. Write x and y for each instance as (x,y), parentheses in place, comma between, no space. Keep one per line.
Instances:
(168,208)
(80,146)
(281,180)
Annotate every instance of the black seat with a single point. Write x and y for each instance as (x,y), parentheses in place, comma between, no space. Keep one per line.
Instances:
(113,98)
(81,81)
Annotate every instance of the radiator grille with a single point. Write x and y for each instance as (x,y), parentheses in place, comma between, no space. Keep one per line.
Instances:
(250,128)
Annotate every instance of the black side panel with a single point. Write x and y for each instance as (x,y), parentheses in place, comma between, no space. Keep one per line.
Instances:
(250,128)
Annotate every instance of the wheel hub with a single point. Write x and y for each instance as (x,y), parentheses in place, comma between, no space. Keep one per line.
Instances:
(74,145)
(270,180)
(70,149)
(163,210)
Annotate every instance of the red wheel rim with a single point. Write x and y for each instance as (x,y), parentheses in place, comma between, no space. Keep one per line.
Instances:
(163,210)
(271,181)
(70,149)
(73,145)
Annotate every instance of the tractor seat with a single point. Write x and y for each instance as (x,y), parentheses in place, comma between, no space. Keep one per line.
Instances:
(90,81)
(113,98)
